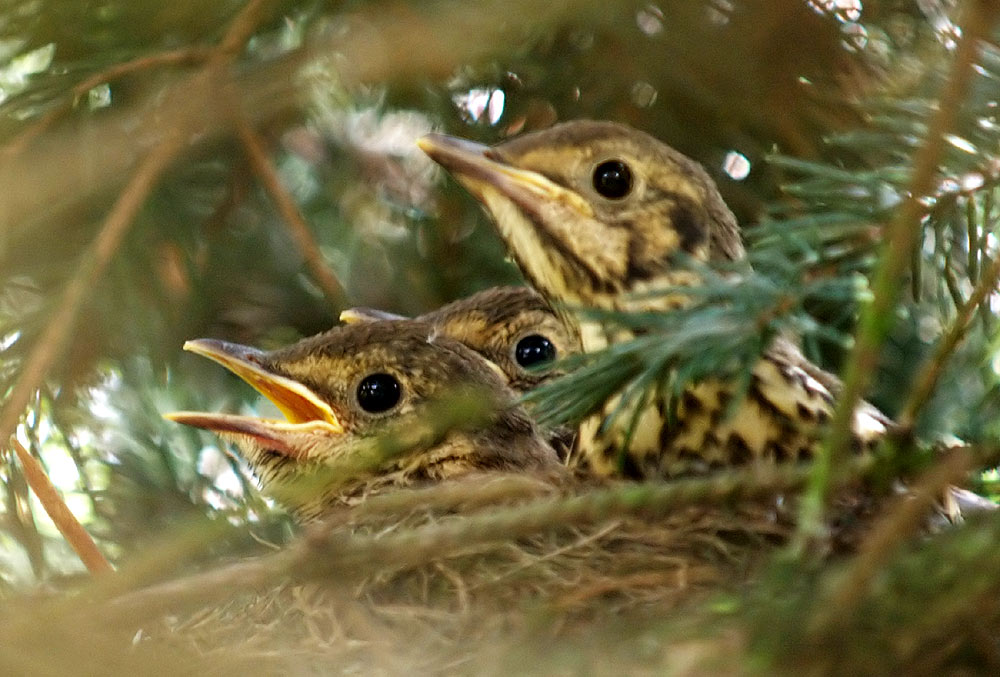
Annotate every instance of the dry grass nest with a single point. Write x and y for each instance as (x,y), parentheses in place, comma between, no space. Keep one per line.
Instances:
(484,576)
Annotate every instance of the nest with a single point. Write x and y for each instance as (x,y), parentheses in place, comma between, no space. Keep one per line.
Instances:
(413,582)
(493,575)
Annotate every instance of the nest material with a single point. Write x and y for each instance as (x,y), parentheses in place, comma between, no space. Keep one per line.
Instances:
(491,576)
(444,612)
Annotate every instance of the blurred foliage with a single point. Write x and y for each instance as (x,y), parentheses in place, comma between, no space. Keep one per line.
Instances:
(825,102)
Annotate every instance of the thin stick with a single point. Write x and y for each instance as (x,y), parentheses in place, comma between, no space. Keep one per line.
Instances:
(331,287)
(934,366)
(242,27)
(53,339)
(901,236)
(898,523)
(170,58)
(65,521)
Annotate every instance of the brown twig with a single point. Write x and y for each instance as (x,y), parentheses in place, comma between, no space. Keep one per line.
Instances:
(170,58)
(241,28)
(54,337)
(900,238)
(296,224)
(65,521)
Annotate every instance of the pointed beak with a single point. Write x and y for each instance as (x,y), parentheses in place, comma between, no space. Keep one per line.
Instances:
(304,410)
(480,168)
(364,315)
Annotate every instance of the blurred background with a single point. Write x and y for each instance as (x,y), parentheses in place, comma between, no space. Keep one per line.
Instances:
(246,170)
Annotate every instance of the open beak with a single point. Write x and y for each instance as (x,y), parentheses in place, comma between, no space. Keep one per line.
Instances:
(305,412)
(480,168)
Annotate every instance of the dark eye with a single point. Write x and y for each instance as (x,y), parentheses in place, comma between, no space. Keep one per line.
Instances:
(533,350)
(613,179)
(378,393)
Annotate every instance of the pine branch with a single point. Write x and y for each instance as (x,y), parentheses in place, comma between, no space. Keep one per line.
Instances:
(182,56)
(59,513)
(300,233)
(932,369)
(722,333)
(120,218)
(900,239)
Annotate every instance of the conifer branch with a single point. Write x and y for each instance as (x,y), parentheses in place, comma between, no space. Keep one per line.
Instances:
(60,514)
(901,236)
(174,57)
(294,222)
(53,340)
(927,379)
(904,517)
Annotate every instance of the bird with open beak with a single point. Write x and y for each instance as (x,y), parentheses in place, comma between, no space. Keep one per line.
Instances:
(368,406)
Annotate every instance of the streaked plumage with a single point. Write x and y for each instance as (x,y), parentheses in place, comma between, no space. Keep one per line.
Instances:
(580,247)
(362,403)
(513,327)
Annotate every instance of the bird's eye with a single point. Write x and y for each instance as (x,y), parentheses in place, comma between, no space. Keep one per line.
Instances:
(613,179)
(534,350)
(379,392)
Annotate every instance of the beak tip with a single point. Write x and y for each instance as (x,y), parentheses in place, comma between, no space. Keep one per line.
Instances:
(182,417)
(431,143)
(351,316)
(425,142)
(441,147)
(200,346)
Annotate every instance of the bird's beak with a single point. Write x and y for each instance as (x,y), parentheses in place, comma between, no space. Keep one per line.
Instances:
(304,410)
(480,168)
(364,315)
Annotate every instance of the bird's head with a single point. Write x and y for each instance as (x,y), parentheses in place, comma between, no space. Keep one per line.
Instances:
(592,210)
(390,402)
(512,327)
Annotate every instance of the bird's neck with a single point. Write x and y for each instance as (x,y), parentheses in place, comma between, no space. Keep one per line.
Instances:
(661,293)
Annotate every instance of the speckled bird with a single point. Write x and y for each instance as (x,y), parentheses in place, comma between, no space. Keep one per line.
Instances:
(363,405)
(595,214)
(512,327)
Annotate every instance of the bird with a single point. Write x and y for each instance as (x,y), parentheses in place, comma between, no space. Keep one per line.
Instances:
(514,328)
(596,214)
(372,406)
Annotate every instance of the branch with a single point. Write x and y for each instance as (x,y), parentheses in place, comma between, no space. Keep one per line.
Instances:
(65,521)
(898,523)
(934,366)
(299,231)
(901,237)
(54,337)
(173,57)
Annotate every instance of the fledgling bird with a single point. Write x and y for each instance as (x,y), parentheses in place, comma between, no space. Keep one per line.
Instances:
(512,327)
(595,214)
(364,405)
